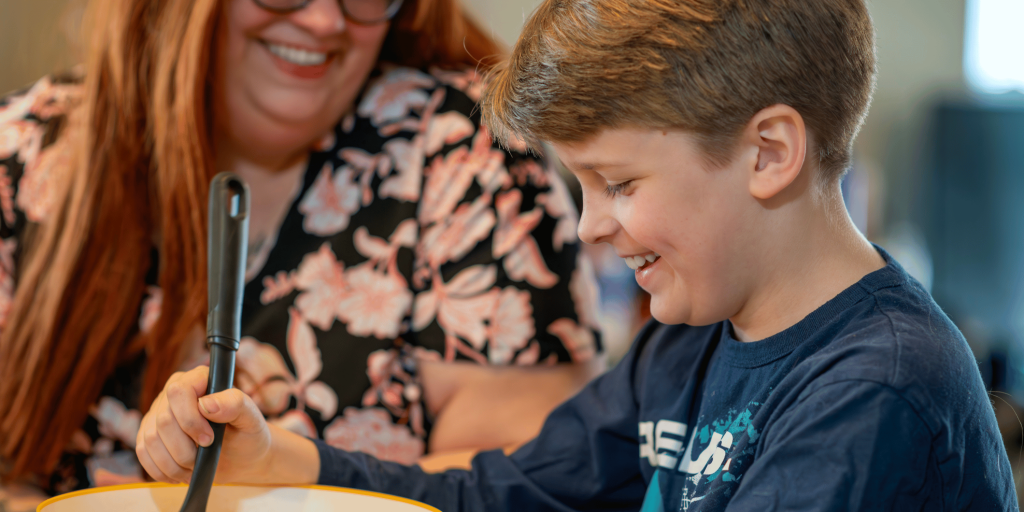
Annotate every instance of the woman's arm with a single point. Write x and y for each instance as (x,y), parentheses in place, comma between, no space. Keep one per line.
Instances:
(479,408)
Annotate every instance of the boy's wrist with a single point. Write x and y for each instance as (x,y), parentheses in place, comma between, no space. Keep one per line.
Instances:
(292,459)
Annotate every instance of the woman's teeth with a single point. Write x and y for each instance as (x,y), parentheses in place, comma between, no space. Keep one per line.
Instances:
(635,262)
(297,55)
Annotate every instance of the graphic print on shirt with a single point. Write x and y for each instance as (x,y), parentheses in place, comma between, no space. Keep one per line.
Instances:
(715,457)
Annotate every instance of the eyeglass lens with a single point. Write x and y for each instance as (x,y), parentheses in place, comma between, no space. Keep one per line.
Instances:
(366,11)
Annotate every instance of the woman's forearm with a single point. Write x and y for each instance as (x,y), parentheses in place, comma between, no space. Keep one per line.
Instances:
(484,408)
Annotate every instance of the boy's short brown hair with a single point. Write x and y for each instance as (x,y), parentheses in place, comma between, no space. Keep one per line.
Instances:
(704,66)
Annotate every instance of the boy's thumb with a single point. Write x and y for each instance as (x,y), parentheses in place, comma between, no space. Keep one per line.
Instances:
(232,407)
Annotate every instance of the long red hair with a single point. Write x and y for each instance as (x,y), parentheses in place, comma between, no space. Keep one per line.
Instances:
(138,180)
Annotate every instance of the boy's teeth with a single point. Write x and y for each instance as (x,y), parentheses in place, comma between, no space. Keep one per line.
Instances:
(297,55)
(635,262)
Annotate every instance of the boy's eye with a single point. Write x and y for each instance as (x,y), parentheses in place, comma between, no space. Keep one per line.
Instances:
(618,188)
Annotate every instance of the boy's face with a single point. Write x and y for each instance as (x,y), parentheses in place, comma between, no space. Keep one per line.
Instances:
(649,195)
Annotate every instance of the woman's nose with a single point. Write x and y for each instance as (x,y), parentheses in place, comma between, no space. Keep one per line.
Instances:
(322,18)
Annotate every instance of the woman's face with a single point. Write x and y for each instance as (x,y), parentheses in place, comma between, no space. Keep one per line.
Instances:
(283,80)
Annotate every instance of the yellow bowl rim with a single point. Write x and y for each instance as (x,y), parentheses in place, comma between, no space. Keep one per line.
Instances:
(155,485)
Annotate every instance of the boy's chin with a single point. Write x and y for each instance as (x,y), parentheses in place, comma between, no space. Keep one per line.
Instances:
(670,312)
(675,311)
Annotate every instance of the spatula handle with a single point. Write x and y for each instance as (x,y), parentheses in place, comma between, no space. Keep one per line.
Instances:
(228,240)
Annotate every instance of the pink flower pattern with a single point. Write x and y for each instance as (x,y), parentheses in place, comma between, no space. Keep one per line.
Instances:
(371,431)
(579,340)
(558,203)
(523,260)
(331,201)
(264,375)
(449,178)
(408,158)
(453,237)
(394,95)
(378,302)
(511,327)
(409,241)
(321,277)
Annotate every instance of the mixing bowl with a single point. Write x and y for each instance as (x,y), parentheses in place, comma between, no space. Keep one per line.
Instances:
(157,497)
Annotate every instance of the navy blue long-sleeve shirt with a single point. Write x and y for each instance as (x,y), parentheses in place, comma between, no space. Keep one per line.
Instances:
(871,402)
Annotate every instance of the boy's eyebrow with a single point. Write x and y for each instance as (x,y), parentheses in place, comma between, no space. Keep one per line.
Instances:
(590,166)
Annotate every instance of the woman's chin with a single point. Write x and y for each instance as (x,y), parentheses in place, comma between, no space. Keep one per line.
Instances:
(302,113)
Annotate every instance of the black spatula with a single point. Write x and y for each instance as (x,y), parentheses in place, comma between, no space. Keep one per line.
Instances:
(228,240)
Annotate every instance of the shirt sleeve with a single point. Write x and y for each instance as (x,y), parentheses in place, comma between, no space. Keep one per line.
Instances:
(852,445)
(585,458)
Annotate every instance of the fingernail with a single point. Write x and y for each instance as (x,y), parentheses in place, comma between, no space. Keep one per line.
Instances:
(209,405)
(205,440)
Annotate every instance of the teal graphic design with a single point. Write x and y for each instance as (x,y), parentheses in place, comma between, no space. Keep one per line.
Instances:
(652,500)
(710,468)
(737,425)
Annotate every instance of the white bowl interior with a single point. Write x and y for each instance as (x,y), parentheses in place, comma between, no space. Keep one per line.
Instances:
(229,498)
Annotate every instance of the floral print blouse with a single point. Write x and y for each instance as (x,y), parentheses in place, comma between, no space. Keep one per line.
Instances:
(411,236)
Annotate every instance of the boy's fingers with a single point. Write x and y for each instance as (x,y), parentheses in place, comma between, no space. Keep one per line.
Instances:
(233,407)
(147,464)
(148,455)
(161,458)
(181,447)
(196,378)
(181,400)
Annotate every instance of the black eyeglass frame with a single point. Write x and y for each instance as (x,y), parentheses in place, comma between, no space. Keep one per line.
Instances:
(388,15)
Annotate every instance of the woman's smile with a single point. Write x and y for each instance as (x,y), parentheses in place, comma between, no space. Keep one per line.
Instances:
(299,62)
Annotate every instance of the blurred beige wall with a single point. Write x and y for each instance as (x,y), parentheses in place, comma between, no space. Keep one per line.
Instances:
(920,48)
(33,41)
(504,18)
(920,60)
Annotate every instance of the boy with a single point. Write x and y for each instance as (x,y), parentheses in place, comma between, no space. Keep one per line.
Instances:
(794,365)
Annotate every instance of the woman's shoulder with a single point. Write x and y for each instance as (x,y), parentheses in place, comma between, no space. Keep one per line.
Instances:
(33,141)
(49,97)
(31,119)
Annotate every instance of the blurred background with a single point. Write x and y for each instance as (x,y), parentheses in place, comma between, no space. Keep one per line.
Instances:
(938,179)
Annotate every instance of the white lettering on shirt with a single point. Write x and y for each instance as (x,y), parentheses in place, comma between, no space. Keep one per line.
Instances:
(657,446)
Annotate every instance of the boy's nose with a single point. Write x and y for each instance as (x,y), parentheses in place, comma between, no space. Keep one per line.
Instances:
(322,18)
(595,227)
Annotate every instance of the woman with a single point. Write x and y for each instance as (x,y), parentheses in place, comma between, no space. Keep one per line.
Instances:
(407,281)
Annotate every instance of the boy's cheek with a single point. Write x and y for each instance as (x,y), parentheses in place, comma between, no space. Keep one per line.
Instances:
(671,301)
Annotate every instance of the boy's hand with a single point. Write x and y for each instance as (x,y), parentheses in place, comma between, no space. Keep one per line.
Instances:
(252,451)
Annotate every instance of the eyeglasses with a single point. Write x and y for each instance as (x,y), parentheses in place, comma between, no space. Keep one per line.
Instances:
(362,12)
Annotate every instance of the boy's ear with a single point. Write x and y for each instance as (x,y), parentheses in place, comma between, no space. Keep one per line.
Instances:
(781,138)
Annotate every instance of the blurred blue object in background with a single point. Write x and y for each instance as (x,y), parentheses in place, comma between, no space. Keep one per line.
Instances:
(972,213)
